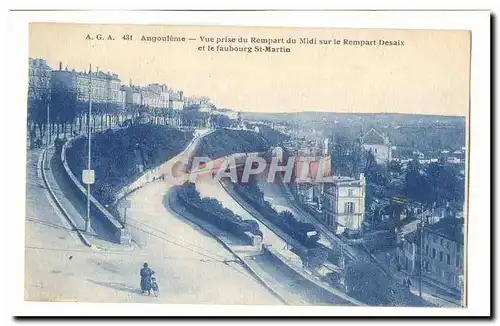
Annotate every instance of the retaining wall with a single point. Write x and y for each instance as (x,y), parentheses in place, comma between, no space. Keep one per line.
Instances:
(323,286)
(113,225)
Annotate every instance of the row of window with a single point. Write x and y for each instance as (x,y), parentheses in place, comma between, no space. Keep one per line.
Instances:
(443,242)
(432,253)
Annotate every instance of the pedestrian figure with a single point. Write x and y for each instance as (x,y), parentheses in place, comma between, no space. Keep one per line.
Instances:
(146,279)
(408,283)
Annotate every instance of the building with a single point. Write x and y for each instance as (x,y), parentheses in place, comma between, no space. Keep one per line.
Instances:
(378,144)
(233,115)
(106,87)
(40,77)
(155,96)
(409,253)
(343,204)
(176,100)
(443,254)
(133,96)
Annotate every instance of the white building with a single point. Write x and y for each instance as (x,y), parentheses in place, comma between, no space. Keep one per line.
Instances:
(378,144)
(344,204)
(106,87)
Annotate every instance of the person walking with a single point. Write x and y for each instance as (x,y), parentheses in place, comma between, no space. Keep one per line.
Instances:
(146,279)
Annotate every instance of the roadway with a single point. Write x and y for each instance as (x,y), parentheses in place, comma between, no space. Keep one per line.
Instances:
(189,264)
(150,214)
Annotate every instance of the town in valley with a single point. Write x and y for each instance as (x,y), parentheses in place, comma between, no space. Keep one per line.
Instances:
(386,230)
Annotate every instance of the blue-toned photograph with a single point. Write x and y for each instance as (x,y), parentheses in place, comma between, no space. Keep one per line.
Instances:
(246,165)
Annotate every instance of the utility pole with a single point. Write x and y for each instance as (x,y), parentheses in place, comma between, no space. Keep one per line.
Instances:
(87,222)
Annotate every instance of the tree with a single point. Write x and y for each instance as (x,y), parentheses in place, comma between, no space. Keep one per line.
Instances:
(315,258)
(395,167)
(416,186)
(444,183)
(64,105)
(221,121)
(346,157)
(39,95)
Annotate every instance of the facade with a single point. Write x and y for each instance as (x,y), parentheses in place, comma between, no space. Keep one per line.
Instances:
(443,255)
(132,95)
(40,77)
(378,144)
(106,87)
(155,96)
(444,252)
(176,100)
(409,253)
(343,204)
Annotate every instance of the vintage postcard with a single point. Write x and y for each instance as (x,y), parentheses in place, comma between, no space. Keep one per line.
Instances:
(247,165)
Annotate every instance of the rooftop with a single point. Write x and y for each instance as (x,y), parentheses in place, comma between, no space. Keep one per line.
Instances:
(373,137)
(449,228)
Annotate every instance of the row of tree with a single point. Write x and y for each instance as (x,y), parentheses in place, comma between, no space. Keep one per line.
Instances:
(284,220)
(212,211)
(66,113)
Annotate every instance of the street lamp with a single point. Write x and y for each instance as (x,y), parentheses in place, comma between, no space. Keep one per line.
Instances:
(88,176)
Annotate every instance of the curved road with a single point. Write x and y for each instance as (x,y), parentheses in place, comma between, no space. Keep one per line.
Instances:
(189,264)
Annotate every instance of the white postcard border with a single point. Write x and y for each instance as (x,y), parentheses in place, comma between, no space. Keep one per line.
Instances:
(479,202)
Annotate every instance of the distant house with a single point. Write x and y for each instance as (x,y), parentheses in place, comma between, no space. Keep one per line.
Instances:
(443,254)
(378,144)
(344,204)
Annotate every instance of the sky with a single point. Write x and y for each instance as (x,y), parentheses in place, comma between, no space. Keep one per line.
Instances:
(429,74)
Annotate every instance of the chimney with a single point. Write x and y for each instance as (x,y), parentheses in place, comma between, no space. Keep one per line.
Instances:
(181,95)
(60,65)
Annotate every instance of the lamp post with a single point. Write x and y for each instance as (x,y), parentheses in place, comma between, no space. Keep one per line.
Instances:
(88,175)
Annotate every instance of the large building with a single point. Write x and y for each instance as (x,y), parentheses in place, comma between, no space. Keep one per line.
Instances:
(133,96)
(378,144)
(176,100)
(106,87)
(155,96)
(39,82)
(343,204)
(443,255)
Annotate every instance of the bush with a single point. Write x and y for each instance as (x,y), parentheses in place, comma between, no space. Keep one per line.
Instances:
(117,156)
(284,220)
(212,211)
(224,142)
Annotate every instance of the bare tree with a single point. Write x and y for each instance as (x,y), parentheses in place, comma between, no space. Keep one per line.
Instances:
(39,95)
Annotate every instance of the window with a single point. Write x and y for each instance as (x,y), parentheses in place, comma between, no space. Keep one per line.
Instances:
(442,242)
(433,253)
(440,256)
(349,207)
(448,259)
(350,192)
(457,262)
(434,239)
(448,245)
(427,249)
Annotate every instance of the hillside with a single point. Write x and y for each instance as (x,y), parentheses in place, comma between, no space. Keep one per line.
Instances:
(120,156)
(223,142)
